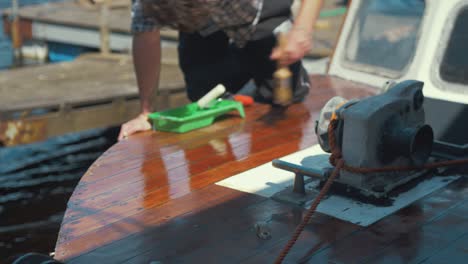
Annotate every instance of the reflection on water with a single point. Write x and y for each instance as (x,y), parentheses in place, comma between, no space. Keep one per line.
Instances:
(36,181)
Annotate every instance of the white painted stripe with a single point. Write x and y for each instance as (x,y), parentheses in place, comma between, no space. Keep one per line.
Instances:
(266,180)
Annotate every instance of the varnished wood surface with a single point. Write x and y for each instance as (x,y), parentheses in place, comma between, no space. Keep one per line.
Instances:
(153,198)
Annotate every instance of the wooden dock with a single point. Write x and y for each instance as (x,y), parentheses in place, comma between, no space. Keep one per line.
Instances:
(72,23)
(69,91)
(93,91)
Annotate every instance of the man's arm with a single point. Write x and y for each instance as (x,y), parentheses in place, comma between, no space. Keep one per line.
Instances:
(300,37)
(147,63)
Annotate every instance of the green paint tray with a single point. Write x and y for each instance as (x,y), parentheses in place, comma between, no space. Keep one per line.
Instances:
(190,116)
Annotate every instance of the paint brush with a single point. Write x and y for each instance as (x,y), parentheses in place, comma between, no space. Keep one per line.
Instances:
(282,94)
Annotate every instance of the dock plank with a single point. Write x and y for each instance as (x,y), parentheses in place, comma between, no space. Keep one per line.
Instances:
(95,90)
(85,80)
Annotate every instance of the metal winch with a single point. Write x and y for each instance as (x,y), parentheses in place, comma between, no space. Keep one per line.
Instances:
(386,130)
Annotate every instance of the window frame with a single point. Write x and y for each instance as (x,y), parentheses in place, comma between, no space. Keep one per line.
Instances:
(449,25)
(376,70)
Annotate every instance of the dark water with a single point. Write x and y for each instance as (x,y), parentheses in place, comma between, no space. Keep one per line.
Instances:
(36,181)
(6,54)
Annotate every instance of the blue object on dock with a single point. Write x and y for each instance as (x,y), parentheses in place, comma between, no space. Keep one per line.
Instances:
(6,51)
(59,52)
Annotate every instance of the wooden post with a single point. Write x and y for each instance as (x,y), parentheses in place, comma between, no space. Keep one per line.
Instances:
(16,34)
(104,25)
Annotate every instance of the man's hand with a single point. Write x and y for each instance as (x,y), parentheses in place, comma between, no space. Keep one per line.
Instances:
(147,61)
(299,39)
(140,123)
(298,44)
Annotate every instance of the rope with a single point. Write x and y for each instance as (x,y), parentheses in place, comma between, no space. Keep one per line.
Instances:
(336,159)
(309,214)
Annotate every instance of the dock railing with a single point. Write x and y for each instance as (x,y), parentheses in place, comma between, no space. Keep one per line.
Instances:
(104,7)
(15,33)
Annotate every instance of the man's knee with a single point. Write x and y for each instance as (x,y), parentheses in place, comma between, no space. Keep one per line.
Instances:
(199,80)
(196,91)
(301,82)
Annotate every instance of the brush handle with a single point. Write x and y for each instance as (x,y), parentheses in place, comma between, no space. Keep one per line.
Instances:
(282,41)
(211,95)
(282,93)
(281,44)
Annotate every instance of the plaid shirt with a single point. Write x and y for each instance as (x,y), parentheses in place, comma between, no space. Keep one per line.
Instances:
(237,18)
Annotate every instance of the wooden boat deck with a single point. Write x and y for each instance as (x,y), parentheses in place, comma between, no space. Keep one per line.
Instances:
(152,198)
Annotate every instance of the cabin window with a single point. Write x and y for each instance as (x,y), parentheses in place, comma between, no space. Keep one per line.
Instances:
(454,64)
(384,36)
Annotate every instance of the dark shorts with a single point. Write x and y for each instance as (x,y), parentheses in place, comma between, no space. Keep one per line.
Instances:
(208,61)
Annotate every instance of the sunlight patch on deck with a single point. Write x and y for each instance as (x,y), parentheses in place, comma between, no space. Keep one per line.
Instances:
(265,180)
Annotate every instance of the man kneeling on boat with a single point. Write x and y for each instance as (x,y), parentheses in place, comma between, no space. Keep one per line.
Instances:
(227,42)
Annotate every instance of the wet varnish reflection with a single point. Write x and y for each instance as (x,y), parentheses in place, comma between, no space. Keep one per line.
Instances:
(153,198)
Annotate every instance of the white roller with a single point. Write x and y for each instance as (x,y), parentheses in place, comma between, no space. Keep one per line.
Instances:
(211,95)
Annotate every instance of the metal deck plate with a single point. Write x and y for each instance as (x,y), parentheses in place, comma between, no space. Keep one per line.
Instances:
(365,214)
(271,182)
